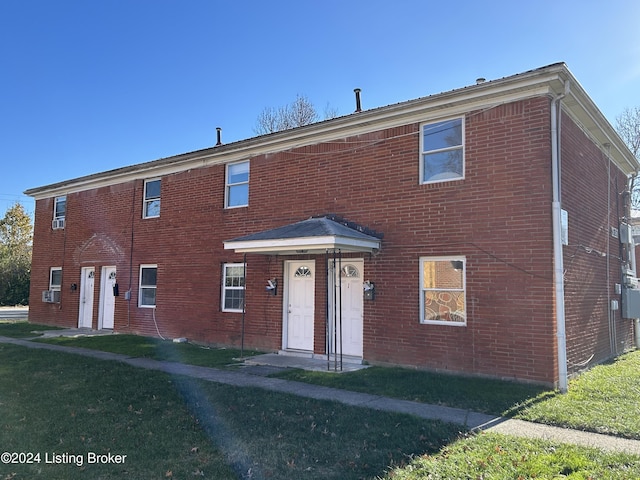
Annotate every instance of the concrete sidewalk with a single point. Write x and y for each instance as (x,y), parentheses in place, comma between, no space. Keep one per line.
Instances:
(468,419)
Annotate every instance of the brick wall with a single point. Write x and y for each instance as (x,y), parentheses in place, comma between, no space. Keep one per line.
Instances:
(498,218)
(592,335)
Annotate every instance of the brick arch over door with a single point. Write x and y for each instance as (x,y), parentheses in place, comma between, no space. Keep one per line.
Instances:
(99,248)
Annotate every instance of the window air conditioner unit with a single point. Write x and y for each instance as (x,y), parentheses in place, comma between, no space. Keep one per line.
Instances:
(51,296)
(57,223)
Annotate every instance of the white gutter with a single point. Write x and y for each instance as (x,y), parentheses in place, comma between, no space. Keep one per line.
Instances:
(290,246)
(558,267)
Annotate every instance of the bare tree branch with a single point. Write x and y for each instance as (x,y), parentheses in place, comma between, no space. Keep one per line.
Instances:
(298,113)
(330,112)
(628,127)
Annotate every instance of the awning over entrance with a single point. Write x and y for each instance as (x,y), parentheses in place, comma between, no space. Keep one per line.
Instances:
(312,236)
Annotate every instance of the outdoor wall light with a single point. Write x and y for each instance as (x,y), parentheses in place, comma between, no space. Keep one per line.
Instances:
(74,287)
(272,286)
(369,290)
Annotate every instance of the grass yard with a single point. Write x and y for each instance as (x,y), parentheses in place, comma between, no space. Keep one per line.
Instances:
(22,329)
(500,457)
(133,346)
(157,349)
(472,393)
(174,427)
(478,394)
(605,399)
(61,404)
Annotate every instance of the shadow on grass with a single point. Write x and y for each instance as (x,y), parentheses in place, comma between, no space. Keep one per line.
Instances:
(22,329)
(495,397)
(179,427)
(156,349)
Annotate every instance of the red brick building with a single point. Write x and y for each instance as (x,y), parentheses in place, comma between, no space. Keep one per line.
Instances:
(471,231)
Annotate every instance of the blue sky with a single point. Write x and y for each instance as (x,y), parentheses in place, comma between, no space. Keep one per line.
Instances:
(91,85)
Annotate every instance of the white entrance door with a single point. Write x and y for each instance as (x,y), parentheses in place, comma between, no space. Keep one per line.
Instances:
(107,299)
(85,313)
(349,297)
(299,305)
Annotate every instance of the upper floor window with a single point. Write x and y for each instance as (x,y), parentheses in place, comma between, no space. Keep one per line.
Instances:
(442,290)
(60,207)
(237,185)
(442,146)
(59,212)
(151,198)
(148,285)
(233,287)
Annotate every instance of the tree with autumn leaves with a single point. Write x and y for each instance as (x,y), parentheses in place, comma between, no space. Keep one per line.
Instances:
(16,235)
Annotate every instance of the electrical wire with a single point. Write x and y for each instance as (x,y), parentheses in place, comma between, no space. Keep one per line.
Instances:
(582,364)
(494,256)
(363,144)
(156,323)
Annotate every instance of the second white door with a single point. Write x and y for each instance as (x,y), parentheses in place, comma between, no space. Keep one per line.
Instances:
(347,328)
(107,299)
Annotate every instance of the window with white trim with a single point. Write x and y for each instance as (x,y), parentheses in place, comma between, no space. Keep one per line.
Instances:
(233,287)
(151,208)
(60,208)
(55,278)
(59,212)
(148,286)
(237,185)
(442,147)
(443,290)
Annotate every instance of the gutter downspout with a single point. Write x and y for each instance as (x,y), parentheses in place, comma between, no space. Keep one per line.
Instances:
(558,267)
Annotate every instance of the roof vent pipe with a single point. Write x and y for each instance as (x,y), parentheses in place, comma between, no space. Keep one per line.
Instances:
(219,136)
(358,105)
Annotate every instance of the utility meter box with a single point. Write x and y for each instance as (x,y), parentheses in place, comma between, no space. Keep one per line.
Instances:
(630,303)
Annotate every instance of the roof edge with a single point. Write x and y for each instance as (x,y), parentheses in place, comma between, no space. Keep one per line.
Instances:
(548,80)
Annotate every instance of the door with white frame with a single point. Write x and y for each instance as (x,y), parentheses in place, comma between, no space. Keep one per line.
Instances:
(346,332)
(107,298)
(85,310)
(299,306)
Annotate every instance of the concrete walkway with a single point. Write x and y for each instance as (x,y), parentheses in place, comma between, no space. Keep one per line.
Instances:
(468,419)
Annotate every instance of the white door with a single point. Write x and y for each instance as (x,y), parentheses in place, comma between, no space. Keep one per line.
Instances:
(107,299)
(85,312)
(299,305)
(349,326)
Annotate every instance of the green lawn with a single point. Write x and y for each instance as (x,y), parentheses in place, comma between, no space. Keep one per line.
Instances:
(500,457)
(22,328)
(472,393)
(193,428)
(478,394)
(605,399)
(157,349)
(177,427)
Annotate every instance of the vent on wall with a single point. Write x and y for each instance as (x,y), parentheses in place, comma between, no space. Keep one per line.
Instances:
(614,232)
